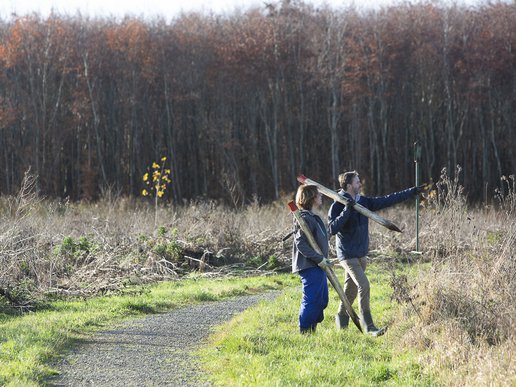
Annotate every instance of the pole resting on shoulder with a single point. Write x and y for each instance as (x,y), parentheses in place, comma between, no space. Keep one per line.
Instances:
(341,199)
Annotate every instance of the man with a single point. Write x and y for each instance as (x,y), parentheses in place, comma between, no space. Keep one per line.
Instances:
(352,243)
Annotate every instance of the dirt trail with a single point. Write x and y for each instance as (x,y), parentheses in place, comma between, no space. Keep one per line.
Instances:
(153,351)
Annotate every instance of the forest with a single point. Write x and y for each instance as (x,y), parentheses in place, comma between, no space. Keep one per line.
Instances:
(241,104)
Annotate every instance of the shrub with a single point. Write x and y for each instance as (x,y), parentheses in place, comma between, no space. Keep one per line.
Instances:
(466,300)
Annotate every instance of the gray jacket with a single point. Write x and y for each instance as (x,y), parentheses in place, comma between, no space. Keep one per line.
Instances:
(303,256)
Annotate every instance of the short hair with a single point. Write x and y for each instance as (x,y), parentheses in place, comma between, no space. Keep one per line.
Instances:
(347,178)
(305,196)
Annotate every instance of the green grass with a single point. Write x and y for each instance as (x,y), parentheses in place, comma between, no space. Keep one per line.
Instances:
(30,342)
(262,347)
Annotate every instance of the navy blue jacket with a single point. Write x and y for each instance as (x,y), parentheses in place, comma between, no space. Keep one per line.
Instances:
(303,255)
(352,228)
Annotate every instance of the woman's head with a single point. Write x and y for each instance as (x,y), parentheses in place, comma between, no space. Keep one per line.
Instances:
(306,196)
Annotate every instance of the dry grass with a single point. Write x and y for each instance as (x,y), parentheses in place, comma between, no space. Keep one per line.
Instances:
(466,300)
(51,247)
(460,310)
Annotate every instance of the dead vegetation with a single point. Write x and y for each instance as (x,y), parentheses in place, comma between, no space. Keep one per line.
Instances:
(51,248)
(461,308)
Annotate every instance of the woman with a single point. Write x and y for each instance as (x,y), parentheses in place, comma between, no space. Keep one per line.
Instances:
(308,263)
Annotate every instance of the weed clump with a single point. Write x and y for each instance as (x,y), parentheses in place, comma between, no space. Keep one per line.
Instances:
(58,249)
(464,304)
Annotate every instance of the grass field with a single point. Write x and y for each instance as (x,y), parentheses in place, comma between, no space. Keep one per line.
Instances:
(451,323)
(262,347)
(29,342)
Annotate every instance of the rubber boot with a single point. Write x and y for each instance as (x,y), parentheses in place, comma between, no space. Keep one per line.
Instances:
(368,326)
(309,330)
(342,320)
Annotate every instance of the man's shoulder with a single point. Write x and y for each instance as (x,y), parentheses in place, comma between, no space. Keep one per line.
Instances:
(335,208)
(364,200)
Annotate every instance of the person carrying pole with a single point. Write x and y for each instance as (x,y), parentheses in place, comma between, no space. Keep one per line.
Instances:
(352,244)
(309,263)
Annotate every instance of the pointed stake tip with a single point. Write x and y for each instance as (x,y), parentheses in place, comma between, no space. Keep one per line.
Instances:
(393,227)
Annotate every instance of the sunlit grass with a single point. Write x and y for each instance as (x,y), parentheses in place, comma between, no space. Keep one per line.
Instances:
(29,342)
(262,347)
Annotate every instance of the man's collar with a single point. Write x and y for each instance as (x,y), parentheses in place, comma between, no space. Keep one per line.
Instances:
(345,193)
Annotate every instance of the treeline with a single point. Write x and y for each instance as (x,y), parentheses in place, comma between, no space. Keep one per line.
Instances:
(241,104)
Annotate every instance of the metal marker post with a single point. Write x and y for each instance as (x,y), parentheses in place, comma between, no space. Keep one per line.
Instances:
(417,159)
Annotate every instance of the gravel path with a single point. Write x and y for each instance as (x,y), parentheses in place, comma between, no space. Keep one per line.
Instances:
(153,351)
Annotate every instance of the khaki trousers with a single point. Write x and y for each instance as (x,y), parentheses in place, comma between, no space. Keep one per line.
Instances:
(356,282)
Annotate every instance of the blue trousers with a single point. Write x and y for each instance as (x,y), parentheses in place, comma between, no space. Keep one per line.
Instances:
(315,297)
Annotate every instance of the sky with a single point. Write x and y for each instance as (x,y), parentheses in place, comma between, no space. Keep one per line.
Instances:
(164,8)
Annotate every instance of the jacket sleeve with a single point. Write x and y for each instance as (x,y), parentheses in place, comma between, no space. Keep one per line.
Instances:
(338,216)
(380,202)
(304,247)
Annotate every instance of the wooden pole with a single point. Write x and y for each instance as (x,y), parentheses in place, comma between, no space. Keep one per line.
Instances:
(341,199)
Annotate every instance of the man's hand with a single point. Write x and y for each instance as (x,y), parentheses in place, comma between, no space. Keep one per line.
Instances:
(351,203)
(424,192)
(325,263)
(423,188)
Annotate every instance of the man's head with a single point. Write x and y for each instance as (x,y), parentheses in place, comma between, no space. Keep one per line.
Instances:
(350,182)
(306,196)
